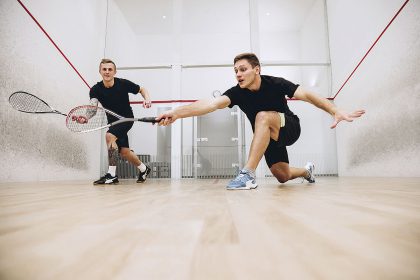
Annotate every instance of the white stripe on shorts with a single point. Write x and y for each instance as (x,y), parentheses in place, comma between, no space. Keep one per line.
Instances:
(282,120)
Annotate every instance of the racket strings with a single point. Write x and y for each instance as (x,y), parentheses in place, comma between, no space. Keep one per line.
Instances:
(25,102)
(85,118)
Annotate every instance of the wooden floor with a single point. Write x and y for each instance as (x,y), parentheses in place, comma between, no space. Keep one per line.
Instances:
(338,228)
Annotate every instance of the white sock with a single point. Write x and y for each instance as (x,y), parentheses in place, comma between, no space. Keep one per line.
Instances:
(112,170)
(142,167)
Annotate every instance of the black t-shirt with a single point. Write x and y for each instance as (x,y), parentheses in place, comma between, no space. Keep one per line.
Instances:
(116,97)
(270,97)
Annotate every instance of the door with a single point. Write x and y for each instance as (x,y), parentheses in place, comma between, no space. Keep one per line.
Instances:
(217,153)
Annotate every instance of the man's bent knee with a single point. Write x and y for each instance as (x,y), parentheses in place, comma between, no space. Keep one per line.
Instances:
(110,138)
(262,116)
(125,152)
(281,175)
(282,178)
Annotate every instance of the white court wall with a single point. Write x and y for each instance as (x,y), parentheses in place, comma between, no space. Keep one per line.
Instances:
(386,142)
(39,147)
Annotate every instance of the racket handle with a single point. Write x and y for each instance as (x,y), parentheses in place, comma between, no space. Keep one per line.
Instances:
(149,119)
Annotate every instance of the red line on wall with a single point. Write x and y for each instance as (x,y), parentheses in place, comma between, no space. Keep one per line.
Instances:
(377,39)
(164,101)
(193,100)
(51,40)
(295,99)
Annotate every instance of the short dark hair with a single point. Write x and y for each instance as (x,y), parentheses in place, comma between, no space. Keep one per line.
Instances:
(250,57)
(106,60)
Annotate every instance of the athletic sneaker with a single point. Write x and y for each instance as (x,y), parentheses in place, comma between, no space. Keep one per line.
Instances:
(244,181)
(143,175)
(310,167)
(107,180)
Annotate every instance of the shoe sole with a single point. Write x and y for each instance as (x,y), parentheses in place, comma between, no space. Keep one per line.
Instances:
(112,183)
(138,181)
(240,189)
(243,188)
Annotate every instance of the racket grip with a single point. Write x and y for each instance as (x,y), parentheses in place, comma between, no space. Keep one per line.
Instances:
(149,119)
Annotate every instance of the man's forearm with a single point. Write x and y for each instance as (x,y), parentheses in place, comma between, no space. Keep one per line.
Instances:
(144,93)
(198,108)
(322,103)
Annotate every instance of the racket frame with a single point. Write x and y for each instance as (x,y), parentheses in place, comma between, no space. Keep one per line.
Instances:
(121,119)
(52,110)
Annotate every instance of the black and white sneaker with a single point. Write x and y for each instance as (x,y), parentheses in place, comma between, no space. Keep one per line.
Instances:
(143,175)
(310,167)
(107,180)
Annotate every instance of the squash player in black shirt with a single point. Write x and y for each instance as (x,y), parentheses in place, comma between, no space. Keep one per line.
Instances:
(275,126)
(112,93)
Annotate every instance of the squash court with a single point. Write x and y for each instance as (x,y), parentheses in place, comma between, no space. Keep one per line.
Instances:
(359,220)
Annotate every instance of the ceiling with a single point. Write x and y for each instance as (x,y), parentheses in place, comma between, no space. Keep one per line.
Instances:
(203,16)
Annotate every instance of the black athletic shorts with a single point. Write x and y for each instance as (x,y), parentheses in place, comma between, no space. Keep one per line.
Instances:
(289,134)
(120,131)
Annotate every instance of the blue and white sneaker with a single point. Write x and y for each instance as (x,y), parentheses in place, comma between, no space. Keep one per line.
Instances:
(310,167)
(244,181)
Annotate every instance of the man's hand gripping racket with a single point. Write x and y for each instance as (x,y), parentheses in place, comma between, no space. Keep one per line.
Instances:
(166,118)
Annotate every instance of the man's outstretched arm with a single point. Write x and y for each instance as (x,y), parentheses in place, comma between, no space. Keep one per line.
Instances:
(324,104)
(147,101)
(198,108)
